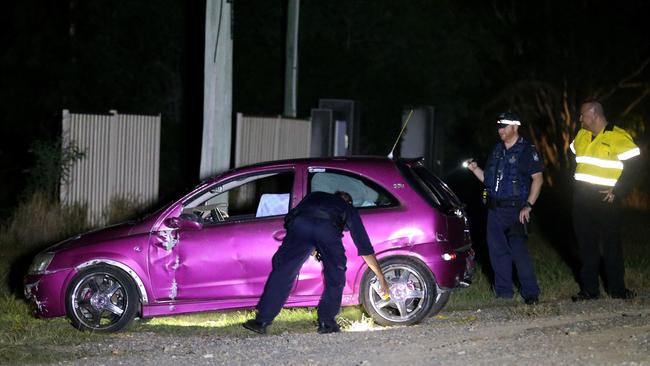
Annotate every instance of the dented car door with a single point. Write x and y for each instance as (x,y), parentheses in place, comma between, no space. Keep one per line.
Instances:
(229,256)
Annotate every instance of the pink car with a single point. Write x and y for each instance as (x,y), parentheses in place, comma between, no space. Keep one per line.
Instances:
(212,249)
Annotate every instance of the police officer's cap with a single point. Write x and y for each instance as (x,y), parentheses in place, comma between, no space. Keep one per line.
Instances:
(508,118)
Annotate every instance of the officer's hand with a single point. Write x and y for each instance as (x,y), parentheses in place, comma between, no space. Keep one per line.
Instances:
(384,288)
(471,165)
(524,214)
(609,195)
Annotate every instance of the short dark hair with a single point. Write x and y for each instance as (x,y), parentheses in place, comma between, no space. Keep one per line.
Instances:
(345,196)
(596,105)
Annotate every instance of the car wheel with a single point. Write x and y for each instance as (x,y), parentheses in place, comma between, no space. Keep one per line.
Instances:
(101,299)
(441,299)
(413,292)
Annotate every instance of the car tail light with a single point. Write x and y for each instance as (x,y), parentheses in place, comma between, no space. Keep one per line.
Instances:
(449,256)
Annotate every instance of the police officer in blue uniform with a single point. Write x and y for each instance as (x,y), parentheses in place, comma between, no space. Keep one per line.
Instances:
(513,180)
(317,223)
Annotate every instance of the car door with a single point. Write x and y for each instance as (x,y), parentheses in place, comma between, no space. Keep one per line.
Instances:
(375,206)
(230,256)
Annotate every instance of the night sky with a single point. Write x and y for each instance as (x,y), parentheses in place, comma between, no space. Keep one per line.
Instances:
(469,59)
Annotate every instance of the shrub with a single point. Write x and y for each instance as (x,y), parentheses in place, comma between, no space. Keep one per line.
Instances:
(123,208)
(53,162)
(38,221)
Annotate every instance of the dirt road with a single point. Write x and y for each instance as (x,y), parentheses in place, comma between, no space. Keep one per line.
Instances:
(602,332)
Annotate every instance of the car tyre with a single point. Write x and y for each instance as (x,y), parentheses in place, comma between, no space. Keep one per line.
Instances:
(413,292)
(102,299)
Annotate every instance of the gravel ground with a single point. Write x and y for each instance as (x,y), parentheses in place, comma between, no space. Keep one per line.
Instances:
(601,332)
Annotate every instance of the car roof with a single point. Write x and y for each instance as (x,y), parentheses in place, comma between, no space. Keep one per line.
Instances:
(338,160)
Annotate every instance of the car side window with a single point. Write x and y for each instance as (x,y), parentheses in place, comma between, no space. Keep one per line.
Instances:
(365,193)
(243,198)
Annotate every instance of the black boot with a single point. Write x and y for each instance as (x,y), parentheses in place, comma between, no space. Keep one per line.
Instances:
(533,300)
(324,328)
(627,294)
(256,326)
(584,296)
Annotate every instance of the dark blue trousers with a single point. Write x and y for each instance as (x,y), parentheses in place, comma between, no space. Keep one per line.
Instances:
(303,235)
(507,245)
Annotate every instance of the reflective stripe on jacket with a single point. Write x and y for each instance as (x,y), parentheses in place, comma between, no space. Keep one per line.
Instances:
(600,160)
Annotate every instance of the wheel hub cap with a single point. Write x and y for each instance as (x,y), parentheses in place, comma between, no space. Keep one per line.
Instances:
(99,301)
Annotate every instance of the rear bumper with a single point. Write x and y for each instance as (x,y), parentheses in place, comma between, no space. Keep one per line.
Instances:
(470,267)
(461,271)
(46,293)
(454,271)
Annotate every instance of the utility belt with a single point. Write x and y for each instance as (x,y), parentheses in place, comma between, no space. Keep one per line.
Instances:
(517,229)
(334,219)
(493,203)
(316,214)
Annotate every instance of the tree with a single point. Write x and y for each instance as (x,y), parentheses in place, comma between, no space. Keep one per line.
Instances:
(557,54)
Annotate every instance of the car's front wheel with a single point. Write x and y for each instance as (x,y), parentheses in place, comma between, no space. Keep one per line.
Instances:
(102,299)
(413,292)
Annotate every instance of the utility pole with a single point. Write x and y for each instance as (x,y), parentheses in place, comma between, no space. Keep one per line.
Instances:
(291,63)
(217,96)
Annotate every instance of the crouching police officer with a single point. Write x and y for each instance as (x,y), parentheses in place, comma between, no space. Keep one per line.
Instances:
(316,223)
(513,181)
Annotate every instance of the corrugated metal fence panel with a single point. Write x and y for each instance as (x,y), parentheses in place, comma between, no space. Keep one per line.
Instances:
(270,138)
(122,160)
(295,139)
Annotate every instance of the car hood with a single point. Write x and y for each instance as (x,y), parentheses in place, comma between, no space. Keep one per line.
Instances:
(104,234)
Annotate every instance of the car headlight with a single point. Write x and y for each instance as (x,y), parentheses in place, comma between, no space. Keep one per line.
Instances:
(40,263)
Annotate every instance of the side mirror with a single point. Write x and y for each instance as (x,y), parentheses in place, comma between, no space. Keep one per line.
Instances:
(182,224)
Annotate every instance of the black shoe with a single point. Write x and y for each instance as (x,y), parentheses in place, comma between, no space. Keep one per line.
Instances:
(533,300)
(627,294)
(256,326)
(584,296)
(328,328)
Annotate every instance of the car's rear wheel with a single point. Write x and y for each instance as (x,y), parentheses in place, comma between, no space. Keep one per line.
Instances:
(413,292)
(102,299)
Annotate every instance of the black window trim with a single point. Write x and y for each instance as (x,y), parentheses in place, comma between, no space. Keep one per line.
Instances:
(422,188)
(281,170)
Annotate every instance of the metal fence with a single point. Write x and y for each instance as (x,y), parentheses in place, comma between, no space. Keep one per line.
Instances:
(122,155)
(271,138)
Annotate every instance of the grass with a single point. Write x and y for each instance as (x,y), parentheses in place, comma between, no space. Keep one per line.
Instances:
(24,339)
(553,270)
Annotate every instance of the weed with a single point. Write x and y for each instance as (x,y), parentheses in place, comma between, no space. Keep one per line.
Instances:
(122,208)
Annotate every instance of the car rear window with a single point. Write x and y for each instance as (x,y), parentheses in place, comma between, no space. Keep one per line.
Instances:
(431,187)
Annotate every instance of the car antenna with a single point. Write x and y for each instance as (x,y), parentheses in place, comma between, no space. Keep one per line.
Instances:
(390,154)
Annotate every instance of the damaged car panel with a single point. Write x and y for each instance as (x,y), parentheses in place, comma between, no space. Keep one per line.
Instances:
(212,248)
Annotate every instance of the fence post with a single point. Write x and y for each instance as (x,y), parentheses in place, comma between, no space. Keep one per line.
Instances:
(65,141)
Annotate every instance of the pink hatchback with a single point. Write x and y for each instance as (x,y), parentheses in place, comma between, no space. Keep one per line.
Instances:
(212,249)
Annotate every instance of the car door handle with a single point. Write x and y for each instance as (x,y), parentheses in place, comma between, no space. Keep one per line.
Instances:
(441,237)
(279,235)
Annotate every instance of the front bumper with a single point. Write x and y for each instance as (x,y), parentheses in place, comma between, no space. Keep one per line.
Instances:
(46,293)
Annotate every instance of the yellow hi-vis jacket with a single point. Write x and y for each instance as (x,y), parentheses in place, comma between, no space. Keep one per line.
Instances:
(600,161)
